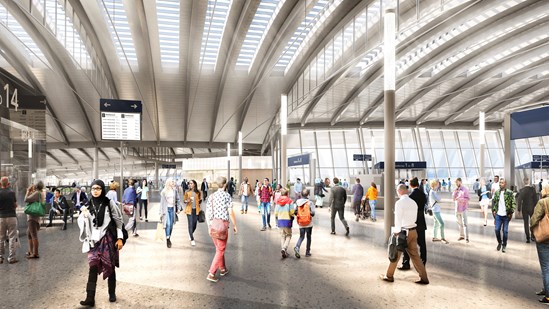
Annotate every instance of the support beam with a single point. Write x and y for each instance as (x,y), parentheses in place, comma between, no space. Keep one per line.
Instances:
(103,153)
(508,152)
(54,158)
(85,153)
(65,152)
(109,144)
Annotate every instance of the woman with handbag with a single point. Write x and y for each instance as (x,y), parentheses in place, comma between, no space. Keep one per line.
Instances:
(169,206)
(219,209)
(539,224)
(35,194)
(129,200)
(193,198)
(100,224)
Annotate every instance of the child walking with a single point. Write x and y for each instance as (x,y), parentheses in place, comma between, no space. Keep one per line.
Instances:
(284,214)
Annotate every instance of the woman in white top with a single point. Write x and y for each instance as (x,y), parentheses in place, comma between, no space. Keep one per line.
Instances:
(169,206)
(434,204)
(112,195)
(143,196)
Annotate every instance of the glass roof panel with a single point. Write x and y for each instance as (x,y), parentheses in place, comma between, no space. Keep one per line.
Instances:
(214,26)
(312,21)
(60,24)
(33,54)
(263,19)
(117,20)
(167,12)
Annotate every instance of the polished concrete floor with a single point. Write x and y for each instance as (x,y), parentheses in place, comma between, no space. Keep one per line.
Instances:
(342,273)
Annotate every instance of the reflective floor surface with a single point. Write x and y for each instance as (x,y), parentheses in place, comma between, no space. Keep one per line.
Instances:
(342,272)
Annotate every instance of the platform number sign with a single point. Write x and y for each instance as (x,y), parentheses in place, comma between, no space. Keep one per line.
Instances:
(14,97)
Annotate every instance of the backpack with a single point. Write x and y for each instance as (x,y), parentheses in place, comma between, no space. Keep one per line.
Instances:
(304,214)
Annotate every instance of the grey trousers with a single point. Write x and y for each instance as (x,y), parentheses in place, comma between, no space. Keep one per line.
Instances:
(341,212)
(8,230)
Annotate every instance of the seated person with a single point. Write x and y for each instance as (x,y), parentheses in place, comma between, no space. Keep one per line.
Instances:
(79,198)
(59,205)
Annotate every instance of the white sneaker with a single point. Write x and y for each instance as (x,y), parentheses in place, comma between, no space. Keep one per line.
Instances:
(193,243)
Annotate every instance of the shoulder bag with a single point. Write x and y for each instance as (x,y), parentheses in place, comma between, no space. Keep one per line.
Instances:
(35,209)
(541,230)
(113,229)
(201,216)
(128,209)
(219,229)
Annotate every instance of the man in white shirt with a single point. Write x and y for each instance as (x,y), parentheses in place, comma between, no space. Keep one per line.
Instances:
(405,220)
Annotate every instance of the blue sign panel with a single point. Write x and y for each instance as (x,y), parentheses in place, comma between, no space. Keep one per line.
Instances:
(408,165)
(532,123)
(362,157)
(299,160)
(538,158)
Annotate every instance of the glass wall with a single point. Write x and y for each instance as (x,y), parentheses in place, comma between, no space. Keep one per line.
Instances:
(448,153)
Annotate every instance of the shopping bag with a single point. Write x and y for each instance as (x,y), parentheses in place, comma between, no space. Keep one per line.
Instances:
(541,230)
(159,232)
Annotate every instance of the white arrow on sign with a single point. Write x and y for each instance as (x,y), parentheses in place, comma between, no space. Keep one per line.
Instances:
(106,104)
(134,106)
(43,101)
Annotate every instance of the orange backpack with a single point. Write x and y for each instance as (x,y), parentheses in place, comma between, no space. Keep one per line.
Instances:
(304,214)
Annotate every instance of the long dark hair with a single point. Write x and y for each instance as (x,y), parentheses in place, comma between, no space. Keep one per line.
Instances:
(195,190)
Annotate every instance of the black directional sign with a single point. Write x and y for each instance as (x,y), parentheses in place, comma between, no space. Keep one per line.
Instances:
(362,157)
(538,158)
(120,119)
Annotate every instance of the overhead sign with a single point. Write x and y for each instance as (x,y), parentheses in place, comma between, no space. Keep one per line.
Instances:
(299,160)
(169,166)
(408,165)
(531,123)
(362,157)
(534,165)
(538,158)
(120,119)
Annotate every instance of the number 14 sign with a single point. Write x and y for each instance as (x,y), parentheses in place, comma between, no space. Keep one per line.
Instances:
(14,98)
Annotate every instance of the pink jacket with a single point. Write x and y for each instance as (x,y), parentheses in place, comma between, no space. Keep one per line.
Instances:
(461,196)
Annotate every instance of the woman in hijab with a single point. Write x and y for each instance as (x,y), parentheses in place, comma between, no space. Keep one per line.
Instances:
(100,225)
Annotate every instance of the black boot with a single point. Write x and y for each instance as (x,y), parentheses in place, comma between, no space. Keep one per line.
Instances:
(90,288)
(112,287)
(90,295)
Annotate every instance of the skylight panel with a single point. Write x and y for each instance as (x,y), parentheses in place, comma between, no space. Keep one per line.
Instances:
(263,19)
(214,27)
(168,16)
(62,27)
(312,21)
(32,50)
(117,20)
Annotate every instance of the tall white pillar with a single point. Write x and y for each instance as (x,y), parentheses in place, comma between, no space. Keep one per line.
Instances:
(508,152)
(283,135)
(482,139)
(96,163)
(389,68)
(240,156)
(228,162)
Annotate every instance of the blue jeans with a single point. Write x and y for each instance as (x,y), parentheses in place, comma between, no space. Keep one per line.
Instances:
(266,213)
(302,232)
(244,202)
(502,220)
(192,220)
(543,255)
(373,204)
(170,218)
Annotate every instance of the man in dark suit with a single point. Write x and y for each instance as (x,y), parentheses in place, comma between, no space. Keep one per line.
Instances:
(338,197)
(527,199)
(421,200)
(79,198)
(204,189)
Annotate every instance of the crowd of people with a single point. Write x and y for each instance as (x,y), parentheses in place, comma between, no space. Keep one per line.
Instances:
(103,232)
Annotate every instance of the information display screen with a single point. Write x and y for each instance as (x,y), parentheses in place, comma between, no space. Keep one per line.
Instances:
(120,126)
(120,120)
